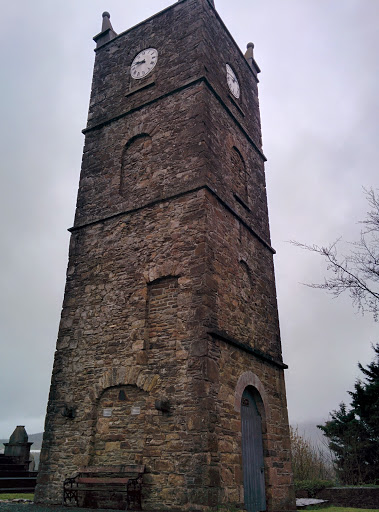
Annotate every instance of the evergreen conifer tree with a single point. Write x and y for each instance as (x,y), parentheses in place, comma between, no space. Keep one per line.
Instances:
(353,435)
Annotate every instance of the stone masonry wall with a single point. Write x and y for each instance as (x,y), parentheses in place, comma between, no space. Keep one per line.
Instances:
(245,311)
(170,292)
(116,335)
(219,50)
(109,169)
(223,137)
(176,33)
(359,497)
(243,282)
(110,337)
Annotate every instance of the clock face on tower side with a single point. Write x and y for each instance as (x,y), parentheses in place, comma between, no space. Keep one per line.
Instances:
(232,81)
(144,63)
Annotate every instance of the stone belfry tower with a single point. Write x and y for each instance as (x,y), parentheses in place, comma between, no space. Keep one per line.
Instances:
(169,353)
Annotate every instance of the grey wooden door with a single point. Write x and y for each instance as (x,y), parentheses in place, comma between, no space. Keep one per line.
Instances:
(252,454)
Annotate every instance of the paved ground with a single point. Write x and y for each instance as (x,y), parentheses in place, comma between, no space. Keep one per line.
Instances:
(30,507)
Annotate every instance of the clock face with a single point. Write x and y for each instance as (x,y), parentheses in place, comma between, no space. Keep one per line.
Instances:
(232,81)
(144,63)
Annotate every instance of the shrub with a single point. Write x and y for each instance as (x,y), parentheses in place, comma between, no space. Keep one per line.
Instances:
(309,463)
(312,487)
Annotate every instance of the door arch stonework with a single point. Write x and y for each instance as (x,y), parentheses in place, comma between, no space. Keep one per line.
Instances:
(250,379)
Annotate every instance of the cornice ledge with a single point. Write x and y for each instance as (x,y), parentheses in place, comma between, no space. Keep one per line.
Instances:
(215,333)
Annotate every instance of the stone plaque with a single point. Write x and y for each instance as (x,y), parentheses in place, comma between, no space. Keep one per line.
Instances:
(107,413)
(135,410)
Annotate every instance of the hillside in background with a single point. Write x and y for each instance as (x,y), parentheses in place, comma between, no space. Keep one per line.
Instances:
(309,430)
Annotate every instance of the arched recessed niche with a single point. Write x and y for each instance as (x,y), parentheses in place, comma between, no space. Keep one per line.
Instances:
(135,165)
(239,174)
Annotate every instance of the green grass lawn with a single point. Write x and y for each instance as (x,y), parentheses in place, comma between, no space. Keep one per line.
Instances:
(15,496)
(346,509)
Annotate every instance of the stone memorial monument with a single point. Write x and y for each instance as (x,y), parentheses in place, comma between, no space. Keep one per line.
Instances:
(19,446)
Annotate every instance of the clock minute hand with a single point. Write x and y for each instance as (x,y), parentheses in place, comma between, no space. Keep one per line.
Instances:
(140,62)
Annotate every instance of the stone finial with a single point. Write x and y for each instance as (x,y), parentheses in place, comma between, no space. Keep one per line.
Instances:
(106,21)
(107,33)
(249,56)
(18,445)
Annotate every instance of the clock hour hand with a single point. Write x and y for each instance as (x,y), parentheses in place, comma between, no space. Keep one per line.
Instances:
(140,62)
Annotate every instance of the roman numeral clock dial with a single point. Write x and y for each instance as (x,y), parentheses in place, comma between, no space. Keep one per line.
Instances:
(233,84)
(144,63)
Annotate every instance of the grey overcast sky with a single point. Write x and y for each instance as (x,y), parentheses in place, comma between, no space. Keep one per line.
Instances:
(319,104)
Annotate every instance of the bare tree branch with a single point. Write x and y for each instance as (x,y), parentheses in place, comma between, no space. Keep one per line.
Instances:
(358,272)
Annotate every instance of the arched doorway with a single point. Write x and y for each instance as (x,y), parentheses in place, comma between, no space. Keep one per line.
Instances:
(252,453)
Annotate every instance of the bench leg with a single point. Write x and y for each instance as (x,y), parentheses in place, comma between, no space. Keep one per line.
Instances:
(69,495)
(133,497)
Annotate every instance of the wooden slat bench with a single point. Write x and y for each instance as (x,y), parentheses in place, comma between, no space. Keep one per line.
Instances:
(111,486)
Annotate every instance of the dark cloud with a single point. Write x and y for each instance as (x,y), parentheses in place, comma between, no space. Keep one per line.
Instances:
(319,106)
